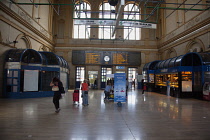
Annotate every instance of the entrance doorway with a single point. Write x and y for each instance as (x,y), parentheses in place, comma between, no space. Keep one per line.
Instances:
(132,78)
(93,79)
(104,78)
(80,76)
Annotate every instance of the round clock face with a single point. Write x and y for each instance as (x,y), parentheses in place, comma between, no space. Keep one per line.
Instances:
(106,58)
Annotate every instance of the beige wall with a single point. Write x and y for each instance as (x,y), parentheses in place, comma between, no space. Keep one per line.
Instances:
(19,23)
(184,30)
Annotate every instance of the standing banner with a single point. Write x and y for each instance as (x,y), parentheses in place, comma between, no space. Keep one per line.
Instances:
(119,87)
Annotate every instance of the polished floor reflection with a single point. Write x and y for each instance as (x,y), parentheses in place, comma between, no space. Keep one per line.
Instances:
(143,117)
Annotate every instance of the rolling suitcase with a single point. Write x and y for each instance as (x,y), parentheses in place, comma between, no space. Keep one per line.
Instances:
(76,96)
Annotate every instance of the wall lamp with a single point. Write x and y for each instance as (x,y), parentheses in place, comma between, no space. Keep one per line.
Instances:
(13,42)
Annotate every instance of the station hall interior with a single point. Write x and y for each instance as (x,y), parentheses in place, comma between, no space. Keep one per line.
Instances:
(74,40)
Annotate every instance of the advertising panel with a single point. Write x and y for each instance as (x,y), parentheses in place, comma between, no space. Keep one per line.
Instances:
(119,87)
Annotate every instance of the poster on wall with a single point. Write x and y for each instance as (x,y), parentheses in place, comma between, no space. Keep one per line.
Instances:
(186,86)
(119,87)
(31,78)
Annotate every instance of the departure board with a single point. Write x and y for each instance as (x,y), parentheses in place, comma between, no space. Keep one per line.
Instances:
(78,57)
(92,58)
(106,58)
(120,58)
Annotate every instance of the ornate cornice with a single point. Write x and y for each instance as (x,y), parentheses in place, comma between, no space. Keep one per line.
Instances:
(202,24)
(176,43)
(25,23)
(24,32)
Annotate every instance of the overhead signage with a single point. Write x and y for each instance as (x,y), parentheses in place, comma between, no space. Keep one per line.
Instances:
(94,22)
(137,24)
(113,23)
(120,67)
(106,58)
(164,70)
(92,72)
(93,58)
(120,58)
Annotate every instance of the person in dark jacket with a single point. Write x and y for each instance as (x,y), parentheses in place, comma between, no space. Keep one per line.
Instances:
(143,86)
(56,85)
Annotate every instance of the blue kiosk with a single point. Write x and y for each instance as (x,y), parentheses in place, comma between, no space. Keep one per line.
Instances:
(187,74)
(149,75)
(27,73)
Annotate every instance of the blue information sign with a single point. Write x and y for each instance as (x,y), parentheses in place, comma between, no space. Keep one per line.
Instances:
(119,87)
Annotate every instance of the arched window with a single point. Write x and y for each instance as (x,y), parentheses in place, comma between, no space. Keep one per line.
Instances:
(105,32)
(82,11)
(131,12)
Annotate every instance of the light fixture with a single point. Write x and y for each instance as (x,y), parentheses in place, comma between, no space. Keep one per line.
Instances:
(13,42)
(38,18)
(113,2)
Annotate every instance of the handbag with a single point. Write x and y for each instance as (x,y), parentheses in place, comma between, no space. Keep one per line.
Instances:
(145,88)
(62,90)
(55,88)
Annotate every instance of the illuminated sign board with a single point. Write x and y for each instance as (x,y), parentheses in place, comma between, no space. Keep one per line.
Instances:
(106,58)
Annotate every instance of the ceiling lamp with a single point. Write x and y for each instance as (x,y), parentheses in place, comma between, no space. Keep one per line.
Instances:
(113,2)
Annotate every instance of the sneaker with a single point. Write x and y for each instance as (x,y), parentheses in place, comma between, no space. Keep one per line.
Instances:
(57,110)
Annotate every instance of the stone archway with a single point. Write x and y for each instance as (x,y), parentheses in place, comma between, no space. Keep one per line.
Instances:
(195,45)
(23,42)
(42,48)
(170,53)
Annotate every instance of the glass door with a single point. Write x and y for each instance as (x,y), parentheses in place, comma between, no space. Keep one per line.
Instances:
(104,78)
(132,76)
(80,76)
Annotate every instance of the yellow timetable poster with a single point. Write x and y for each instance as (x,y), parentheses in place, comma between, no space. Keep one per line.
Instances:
(92,58)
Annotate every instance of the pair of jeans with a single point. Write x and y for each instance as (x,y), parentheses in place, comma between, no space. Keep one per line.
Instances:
(56,98)
(85,98)
(107,94)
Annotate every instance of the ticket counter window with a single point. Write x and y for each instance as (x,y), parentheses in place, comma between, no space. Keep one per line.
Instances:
(159,80)
(162,78)
(186,81)
(151,78)
(174,80)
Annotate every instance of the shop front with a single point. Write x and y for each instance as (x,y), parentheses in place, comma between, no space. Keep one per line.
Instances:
(149,75)
(28,73)
(186,73)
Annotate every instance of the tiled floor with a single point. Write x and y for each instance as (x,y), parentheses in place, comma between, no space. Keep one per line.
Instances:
(143,117)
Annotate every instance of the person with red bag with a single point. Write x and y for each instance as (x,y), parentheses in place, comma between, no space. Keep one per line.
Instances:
(143,85)
(85,92)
